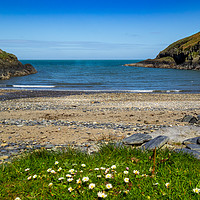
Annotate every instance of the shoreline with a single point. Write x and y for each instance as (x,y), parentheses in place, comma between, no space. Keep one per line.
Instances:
(85,119)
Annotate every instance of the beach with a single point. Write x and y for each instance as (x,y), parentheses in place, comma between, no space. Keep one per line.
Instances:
(82,119)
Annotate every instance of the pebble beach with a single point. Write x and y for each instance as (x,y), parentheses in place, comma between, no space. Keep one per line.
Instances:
(56,119)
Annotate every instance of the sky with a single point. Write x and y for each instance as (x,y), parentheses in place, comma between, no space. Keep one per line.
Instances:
(94,29)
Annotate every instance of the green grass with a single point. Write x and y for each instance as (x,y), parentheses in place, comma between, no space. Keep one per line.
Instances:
(181,171)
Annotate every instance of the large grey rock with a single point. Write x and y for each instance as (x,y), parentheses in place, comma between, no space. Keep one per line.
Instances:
(194,153)
(198,117)
(195,147)
(191,140)
(189,119)
(156,142)
(137,139)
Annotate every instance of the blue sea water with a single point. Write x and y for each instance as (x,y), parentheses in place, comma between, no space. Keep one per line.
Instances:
(104,75)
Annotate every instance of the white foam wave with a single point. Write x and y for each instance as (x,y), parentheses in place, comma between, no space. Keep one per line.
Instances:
(34,86)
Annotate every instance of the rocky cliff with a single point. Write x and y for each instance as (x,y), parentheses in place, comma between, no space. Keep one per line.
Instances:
(182,54)
(10,66)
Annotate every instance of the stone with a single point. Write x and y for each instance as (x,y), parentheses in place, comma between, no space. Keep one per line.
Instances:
(194,153)
(198,117)
(191,140)
(4,157)
(137,139)
(195,147)
(189,119)
(156,142)
(198,141)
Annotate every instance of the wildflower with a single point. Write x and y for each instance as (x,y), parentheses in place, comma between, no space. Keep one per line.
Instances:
(155,184)
(71,170)
(78,181)
(61,178)
(35,176)
(126,191)
(83,165)
(70,189)
(102,195)
(107,170)
(85,179)
(126,180)
(108,175)
(27,169)
(96,169)
(144,175)
(125,172)
(56,163)
(127,168)
(17,198)
(59,169)
(196,190)
(113,167)
(81,171)
(50,184)
(136,172)
(98,176)
(53,171)
(49,170)
(108,186)
(29,178)
(102,168)
(69,179)
(68,175)
(91,186)
(167,184)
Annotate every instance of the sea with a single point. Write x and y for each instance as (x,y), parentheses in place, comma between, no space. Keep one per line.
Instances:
(104,75)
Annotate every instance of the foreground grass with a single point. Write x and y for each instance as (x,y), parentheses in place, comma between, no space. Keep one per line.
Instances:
(113,173)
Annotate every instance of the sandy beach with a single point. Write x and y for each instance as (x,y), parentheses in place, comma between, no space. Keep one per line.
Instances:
(81,118)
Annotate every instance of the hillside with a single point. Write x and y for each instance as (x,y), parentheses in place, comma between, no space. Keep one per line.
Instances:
(182,54)
(10,66)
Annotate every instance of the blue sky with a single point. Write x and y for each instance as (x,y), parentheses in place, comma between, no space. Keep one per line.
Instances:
(93,29)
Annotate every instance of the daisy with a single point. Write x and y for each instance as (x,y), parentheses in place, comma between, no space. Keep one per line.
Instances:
(69,179)
(125,172)
(17,198)
(35,176)
(56,162)
(53,171)
(113,167)
(83,165)
(68,175)
(108,186)
(91,186)
(29,178)
(70,189)
(108,175)
(167,184)
(50,184)
(196,190)
(78,181)
(102,195)
(96,169)
(71,170)
(49,170)
(136,172)
(27,169)
(126,191)
(102,168)
(59,169)
(98,176)
(85,179)
(126,180)
(61,178)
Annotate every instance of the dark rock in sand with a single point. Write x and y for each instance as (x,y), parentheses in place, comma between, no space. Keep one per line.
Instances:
(198,141)
(198,117)
(195,147)
(10,66)
(190,119)
(156,142)
(191,141)
(194,153)
(182,54)
(137,139)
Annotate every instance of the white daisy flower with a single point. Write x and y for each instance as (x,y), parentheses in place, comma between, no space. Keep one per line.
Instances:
(196,190)
(108,176)
(91,186)
(108,186)
(126,180)
(85,179)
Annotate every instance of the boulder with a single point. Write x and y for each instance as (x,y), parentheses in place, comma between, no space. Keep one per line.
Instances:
(190,119)
(156,142)
(191,141)
(137,139)
(194,153)
(195,147)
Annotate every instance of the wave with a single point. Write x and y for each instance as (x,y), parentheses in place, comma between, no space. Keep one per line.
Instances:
(33,86)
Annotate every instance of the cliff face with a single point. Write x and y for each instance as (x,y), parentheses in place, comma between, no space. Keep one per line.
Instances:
(182,54)
(10,66)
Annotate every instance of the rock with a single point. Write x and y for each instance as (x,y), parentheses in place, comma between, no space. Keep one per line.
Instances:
(191,141)
(198,140)
(156,142)
(182,54)
(194,153)
(195,147)
(10,66)
(189,119)
(137,139)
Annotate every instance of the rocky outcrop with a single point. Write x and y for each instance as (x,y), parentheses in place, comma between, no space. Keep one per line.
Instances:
(10,66)
(182,54)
